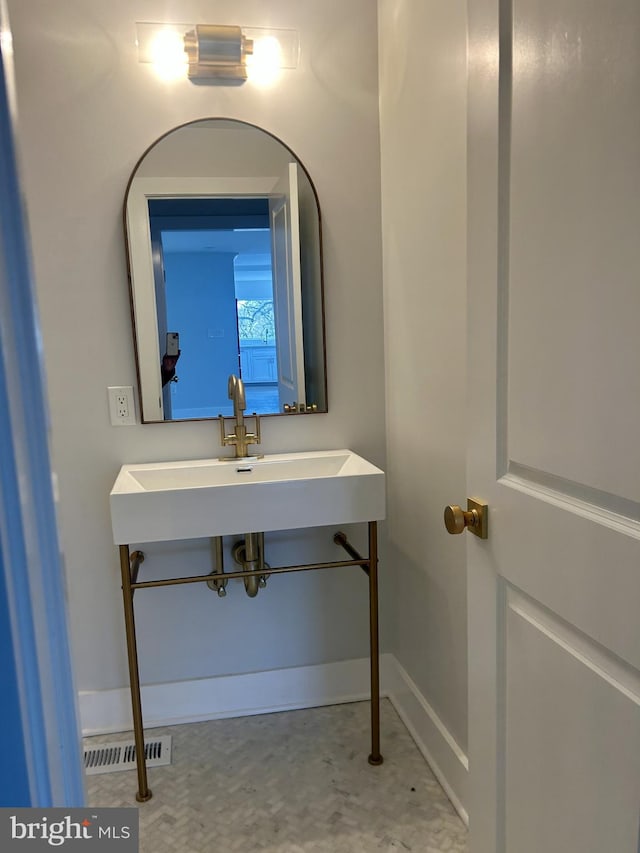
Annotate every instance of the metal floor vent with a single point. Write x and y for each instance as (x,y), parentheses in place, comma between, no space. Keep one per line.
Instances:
(111,757)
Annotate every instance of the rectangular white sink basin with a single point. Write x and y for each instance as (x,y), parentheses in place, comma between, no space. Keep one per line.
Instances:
(156,502)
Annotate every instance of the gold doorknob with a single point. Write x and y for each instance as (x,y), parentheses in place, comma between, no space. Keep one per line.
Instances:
(474,518)
(456,519)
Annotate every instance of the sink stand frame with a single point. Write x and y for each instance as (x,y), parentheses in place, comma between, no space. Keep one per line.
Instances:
(130,565)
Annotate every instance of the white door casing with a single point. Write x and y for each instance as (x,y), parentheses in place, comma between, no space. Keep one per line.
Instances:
(554,418)
(284,219)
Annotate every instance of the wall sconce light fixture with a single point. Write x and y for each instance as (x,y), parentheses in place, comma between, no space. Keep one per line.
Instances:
(213,53)
(217,52)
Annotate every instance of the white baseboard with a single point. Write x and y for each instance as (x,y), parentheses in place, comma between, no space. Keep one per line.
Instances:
(444,756)
(106,711)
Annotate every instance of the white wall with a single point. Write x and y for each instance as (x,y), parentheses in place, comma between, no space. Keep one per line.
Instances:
(212,151)
(87,112)
(423,131)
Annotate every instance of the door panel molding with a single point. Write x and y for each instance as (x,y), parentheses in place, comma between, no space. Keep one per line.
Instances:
(571,728)
(596,657)
(567,253)
(610,510)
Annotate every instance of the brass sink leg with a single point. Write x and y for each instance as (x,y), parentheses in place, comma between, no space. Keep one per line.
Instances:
(370,568)
(144,792)
(375,758)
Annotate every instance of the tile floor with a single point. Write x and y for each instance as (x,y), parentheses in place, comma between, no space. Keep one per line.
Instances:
(290,782)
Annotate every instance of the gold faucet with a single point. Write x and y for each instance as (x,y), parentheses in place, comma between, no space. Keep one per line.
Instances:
(239,438)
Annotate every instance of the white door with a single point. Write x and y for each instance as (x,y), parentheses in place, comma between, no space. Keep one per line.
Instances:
(554,425)
(287,292)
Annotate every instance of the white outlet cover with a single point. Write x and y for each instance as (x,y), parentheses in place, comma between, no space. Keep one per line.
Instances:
(122,410)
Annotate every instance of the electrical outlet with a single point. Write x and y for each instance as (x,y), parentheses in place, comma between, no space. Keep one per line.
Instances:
(121,405)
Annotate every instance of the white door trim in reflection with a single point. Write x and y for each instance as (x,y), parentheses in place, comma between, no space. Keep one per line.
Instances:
(284,218)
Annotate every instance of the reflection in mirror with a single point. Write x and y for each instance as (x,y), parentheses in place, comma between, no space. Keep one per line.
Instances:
(224,248)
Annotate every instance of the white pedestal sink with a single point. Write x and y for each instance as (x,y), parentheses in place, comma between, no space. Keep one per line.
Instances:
(155,502)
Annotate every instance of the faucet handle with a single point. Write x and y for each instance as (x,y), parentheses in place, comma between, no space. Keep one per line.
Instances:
(254,437)
(224,438)
(257,428)
(239,437)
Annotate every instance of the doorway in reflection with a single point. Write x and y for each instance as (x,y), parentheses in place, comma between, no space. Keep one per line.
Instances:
(213,276)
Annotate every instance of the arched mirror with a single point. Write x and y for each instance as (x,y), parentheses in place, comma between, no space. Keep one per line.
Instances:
(224,250)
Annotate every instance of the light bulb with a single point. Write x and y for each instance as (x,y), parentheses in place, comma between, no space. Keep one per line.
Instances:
(167,55)
(264,65)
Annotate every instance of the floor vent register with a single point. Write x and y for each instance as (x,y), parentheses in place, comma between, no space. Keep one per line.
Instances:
(111,757)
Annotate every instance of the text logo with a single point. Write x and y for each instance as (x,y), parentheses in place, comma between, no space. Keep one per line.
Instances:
(34,830)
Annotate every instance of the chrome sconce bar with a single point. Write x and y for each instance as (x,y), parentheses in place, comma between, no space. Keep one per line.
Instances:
(217,54)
